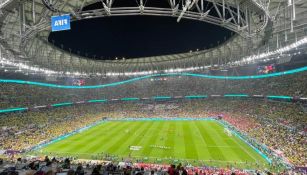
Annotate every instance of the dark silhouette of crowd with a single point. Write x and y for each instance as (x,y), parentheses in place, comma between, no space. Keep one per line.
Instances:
(67,166)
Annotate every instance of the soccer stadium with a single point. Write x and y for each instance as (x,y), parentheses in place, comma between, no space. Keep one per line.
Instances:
(148,87)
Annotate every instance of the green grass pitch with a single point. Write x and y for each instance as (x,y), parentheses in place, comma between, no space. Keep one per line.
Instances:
(196,142)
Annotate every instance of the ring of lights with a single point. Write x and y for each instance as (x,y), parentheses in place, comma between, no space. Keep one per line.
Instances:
(31,50)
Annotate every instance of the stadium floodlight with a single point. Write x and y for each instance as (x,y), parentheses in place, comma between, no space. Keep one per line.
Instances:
(22,66)
(253,58)
(43,106)
(257,95)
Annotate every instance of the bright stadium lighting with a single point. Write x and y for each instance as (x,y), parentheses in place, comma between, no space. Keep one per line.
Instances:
(246,60)
(280,51)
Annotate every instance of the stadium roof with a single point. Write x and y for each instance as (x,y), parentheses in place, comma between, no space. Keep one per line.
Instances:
(265,29)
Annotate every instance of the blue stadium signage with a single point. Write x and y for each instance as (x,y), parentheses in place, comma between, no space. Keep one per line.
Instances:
(59,23)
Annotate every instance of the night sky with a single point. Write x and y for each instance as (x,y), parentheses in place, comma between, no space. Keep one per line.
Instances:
(137,36)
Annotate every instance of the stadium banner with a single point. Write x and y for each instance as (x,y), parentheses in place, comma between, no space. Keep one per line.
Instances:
(60,23)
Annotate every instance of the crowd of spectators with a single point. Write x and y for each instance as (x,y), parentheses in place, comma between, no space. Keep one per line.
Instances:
(18,95)
(68,166)
(280,126)
(20,131)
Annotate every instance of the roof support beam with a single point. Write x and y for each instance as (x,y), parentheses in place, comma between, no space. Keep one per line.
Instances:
(184,9)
